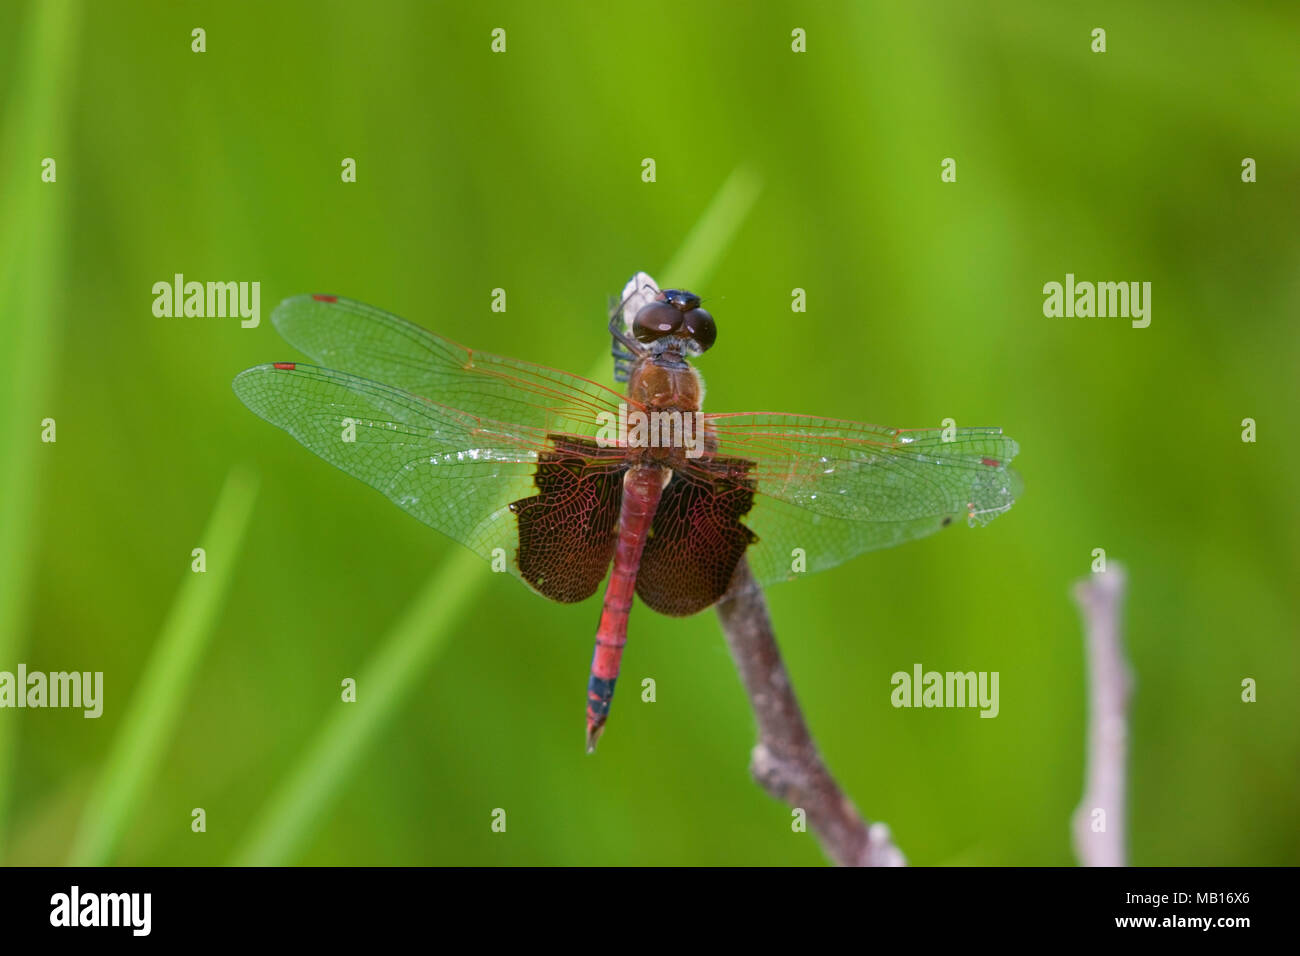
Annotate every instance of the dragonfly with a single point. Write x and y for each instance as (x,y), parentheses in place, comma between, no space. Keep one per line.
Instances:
(567,483)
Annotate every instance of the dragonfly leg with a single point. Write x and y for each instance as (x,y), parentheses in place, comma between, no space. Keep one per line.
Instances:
(623,360)
(626,349)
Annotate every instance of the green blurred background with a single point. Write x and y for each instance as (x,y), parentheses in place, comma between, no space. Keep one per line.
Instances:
(522,171)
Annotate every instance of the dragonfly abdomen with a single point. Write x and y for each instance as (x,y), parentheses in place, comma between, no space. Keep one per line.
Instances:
(642,488)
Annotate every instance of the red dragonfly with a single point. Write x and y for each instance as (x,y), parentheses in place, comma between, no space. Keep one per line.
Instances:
(554,477)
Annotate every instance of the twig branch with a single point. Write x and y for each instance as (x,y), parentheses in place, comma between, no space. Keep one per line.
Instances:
(1099,838)
(785,762)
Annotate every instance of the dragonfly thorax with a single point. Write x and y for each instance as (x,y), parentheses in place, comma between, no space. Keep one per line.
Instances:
(667,396)
(659,383)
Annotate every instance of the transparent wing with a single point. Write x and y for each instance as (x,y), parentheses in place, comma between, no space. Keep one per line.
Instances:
(455,471)
(375,345)
(827,489)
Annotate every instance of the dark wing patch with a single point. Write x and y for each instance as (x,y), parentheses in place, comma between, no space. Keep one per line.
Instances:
(567,531)
(696,538)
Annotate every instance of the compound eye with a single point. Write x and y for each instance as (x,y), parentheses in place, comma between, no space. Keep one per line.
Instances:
(699,325)
(656,320)
(681,299)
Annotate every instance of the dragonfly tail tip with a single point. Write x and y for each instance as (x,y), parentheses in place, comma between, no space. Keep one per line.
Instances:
(593,734)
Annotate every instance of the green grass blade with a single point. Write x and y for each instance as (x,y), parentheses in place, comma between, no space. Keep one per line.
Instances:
(289,816)
(385,682)
(711,236)
(151,717)
(33,264)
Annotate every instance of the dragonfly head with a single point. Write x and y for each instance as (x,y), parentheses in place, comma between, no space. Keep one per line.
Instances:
(675,322)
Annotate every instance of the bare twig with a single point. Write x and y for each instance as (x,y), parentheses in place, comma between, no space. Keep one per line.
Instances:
(1100,820)
(785,762)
